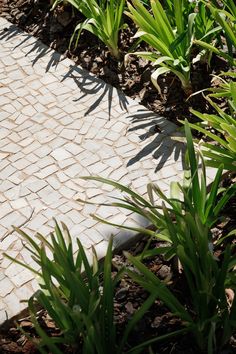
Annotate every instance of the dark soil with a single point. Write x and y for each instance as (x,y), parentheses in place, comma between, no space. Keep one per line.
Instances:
(55,28)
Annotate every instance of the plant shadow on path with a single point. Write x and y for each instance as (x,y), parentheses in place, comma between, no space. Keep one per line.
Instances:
(36,47)
(86,82)
(89,84)
(162,146)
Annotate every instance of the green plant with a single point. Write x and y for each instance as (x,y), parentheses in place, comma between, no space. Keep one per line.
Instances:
(220,127)
(204,27)
(206,30)
(172,45)
(208,316)
(188,7)
(229,26)
(225,89)
(204,21)
(226,18)
(103,19)
(77,296)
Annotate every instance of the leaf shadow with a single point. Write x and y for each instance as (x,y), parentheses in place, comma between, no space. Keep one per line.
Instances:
(35,46)
(160,135)
(89,84)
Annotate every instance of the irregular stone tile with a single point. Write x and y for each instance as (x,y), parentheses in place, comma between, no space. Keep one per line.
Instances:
(6,287)
(37,185)
(60,154)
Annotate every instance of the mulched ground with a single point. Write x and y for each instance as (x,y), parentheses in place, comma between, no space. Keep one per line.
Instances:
(55,29)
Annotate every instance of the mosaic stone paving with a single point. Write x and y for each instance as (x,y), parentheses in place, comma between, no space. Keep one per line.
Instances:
(58,123)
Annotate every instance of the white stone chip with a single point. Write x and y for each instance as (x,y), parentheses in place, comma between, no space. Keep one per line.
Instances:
(60,154)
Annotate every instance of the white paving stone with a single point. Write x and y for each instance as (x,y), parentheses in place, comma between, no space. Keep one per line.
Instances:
(60,154)
(37,185)
(6,287)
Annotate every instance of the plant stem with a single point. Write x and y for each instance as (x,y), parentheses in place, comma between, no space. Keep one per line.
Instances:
(114,52)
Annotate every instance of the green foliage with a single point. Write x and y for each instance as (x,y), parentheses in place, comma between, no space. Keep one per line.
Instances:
(204,26)
(226,18)
(103,19)
(172,45)
(75,301)
(77,296)
(225,89)
(171,28)
(222,148)
(210,318)
(203,21)
(207,30)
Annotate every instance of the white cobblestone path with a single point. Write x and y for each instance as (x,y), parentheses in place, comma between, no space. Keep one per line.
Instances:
(57,123)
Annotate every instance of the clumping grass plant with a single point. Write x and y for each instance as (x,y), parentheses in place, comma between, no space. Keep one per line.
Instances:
(103,18)
(220,128)
(77,295)
(226,89)
(192,196)
(172,46)
(72,293)
(211,317)
(226,18)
